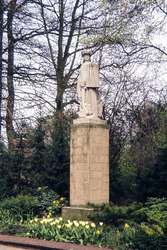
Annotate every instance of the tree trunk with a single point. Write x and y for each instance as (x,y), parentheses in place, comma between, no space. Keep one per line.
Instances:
(10,73)
(1,51)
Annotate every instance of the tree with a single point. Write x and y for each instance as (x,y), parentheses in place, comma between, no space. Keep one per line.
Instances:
(6,180)
(36,160)
(58,168)
(142,161)
(10,74)
(1,52)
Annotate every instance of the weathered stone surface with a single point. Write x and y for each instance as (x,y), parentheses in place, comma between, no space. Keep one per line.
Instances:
(87,89)
(89,164)
(74,213)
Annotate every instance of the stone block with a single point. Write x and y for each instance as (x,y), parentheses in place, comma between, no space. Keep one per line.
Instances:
(105,178)
(74,213)
(96,166)
(98,158)
(89,164)
(95,184)
(95,196)
(95,175)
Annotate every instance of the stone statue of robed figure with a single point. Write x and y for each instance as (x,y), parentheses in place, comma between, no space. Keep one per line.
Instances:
(87,89)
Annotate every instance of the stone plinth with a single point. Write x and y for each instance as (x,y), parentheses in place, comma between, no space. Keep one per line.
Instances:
(89,163)
(77,213)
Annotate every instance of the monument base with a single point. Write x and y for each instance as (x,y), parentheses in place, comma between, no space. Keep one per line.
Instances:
(89,163)
(88,120)
(77,213)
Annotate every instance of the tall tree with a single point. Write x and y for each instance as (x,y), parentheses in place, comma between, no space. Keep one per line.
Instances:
(10,73)
(1,52)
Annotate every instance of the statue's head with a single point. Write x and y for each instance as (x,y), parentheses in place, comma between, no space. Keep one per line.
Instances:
(86,56)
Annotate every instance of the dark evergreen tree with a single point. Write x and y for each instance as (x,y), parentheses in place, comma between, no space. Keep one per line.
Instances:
(154,182)
(36,160)
(6,180)
(58,169)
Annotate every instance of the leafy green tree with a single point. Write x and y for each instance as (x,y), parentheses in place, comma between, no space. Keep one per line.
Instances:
(143,159)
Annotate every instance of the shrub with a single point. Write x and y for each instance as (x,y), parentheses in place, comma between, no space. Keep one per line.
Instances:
(151,234)
(115,215)
(144,236)
(21,207)
(156,209)
(4,217)
(49,203)
(45,203)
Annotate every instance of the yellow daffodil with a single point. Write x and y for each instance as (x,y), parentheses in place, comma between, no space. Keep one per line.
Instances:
(76,223)
(61,199)
(36,220)
(93,225)
(54,202)
(126,225)
(101,224)
(39,188)
(87,226)
(68,225)
(98,232)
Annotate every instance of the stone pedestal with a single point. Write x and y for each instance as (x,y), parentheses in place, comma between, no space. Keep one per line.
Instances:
(89,162)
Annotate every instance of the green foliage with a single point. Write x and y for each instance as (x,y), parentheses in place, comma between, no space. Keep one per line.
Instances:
(141,170)
(78,232)
(137,227)
(151,234)
(58,165)
(156,210)
(114,215)
(40,157)
(151,237)
(37,160)
(4,217)
(14,229)
(20,208)
(23,207)
(49,203)
(6,180)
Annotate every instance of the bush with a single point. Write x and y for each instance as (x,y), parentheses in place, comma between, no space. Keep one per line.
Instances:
(116,216)
(144,236)
(49,203)
(152,233)
(21,207)
(45,203)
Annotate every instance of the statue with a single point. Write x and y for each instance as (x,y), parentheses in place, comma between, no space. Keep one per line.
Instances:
(87,89)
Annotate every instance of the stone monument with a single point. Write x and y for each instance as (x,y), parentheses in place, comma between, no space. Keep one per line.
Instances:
(87,89)
(89,142)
